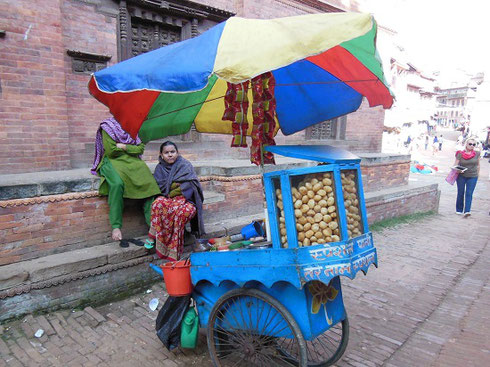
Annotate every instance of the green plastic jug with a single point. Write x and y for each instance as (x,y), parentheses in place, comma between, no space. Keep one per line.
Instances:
(190,329)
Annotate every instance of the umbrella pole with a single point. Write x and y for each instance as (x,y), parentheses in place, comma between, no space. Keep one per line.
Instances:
(266,213)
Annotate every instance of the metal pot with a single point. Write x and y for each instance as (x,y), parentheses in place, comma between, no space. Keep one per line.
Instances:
(259,245)
(201,245)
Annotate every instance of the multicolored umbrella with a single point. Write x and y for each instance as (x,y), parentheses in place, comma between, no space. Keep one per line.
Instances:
(322,65)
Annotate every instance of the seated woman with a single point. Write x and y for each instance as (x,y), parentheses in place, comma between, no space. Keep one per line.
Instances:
(123,174)
(181,201)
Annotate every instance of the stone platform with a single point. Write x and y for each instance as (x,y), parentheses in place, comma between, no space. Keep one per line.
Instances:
(55,249)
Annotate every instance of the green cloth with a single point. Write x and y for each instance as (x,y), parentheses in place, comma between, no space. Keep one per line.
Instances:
(174,190)
(115,199)
(178,120)
(116,188)
(364,49)
(134,173)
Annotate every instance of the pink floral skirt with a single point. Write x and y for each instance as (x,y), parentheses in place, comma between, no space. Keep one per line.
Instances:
(168,219)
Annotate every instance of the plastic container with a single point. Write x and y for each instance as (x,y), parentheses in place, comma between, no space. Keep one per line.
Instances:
(189,330)
(177,276)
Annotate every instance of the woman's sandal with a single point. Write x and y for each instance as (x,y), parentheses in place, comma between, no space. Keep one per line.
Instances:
(124,243)
(136,242)
(149,244)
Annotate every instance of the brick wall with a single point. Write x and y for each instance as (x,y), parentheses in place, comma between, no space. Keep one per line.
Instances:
(241,198)
(53,225)
(33,119)
(385,175)
(366,127)
(85,30)
(35,227)
(417,202)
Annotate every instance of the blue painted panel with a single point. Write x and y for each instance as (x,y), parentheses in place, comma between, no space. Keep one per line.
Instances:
(362,203)
(291,265)
(272,210)
(330,313)
(300,171)
(339,198)
(297,302)
(244,257)
(287,200)
(320,153)
(338,252)
(206,294)
(241,275)
(325,271)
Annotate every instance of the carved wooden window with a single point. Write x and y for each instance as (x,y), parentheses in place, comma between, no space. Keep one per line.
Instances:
(146,36)
(332,129)
(146,25)
(87,63)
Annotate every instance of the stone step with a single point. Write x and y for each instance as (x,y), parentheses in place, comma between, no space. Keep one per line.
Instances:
(211,197)
(58,265)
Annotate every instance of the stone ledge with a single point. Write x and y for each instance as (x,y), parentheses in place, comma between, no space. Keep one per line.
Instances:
(56,265)
(370,159)
(396,193)
(26,185)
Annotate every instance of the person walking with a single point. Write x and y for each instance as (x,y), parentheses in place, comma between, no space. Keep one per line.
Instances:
(468,158)
(426,144)
(435,145)
(440,141)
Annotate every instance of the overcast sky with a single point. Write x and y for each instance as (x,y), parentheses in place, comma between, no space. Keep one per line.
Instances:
(439,34)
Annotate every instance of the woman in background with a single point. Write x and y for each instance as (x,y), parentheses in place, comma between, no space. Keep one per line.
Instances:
(181,202)
(466,181)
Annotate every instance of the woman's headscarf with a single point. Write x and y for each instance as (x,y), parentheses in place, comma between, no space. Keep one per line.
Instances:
(116,132)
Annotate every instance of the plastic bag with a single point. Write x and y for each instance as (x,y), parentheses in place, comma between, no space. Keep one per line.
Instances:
(169,319)
(452,176)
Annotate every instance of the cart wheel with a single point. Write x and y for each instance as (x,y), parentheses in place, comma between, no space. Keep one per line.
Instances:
(248,327)
(327,348)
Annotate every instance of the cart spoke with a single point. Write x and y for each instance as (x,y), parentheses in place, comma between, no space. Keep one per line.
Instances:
(236,339)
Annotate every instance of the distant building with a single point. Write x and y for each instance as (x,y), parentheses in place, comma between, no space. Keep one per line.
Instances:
(415,95)
(454,105)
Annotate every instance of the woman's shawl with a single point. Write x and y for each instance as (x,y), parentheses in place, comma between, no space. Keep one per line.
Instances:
(182,172)
(116,132)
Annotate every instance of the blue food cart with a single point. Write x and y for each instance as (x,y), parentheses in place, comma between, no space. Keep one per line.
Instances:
(281,304)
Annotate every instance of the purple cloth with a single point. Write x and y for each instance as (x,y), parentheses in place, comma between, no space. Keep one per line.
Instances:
(116,132)
(452,176)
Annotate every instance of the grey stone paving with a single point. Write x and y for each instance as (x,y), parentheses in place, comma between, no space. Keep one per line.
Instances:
(428,304)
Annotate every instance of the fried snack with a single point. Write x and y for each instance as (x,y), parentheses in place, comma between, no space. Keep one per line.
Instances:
(351,203)
(315,210)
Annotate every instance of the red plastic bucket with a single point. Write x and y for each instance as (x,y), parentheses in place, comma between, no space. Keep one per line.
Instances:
(177,276)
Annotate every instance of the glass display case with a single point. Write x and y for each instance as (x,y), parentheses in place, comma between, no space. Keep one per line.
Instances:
(316,205)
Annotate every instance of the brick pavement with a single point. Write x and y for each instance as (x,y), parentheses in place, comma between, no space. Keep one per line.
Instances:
(426,305)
